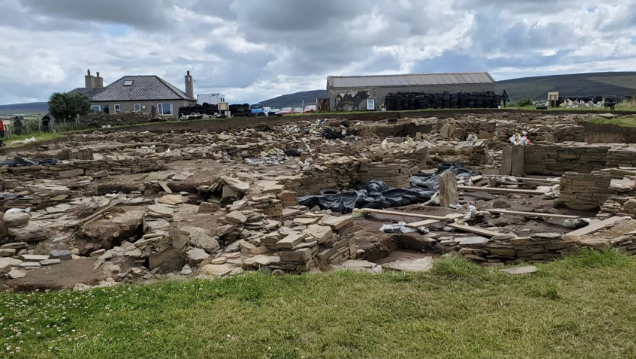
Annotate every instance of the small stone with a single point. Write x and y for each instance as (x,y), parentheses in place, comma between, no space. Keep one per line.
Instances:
(179,177)
(197,255)
(6,264)
(7,252)
(17,246)
(186,270)
(236,217)
(220,260)
(98,253)
(500,204)
(50,262)
(17,274)
(16,219)
(473,241)
(63,254)
(213,270)
(519,270)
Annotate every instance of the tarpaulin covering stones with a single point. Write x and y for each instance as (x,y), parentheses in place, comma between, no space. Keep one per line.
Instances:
(378,195)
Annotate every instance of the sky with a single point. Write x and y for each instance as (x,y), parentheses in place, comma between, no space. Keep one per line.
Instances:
(253,50)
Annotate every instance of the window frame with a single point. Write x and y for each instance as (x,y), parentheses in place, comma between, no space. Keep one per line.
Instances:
(99,108)
(137,107)
(160,109)
(116,108)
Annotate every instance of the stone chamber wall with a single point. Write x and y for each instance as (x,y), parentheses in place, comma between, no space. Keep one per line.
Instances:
(555,160)
(585,191)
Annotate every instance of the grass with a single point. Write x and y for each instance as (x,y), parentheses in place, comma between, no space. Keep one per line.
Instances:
(579,307)
(623,122)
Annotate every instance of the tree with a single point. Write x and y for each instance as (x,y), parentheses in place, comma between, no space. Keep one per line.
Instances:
(65,106)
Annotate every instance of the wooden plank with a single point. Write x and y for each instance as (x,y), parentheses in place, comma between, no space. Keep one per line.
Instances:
(500,190)
(595,226)
(425,223)
(532,214)
(449,217)
(480,231)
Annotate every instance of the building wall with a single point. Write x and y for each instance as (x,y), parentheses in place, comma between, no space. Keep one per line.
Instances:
(354,99)
(129,106)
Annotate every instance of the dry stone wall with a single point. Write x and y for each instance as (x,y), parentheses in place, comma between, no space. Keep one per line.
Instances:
(585,191)
(555,160)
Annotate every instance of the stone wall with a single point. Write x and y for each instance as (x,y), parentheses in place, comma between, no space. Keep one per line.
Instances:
(393,174)
(121,119)
(555,160)
(585,191)
(622,157)
(540,247)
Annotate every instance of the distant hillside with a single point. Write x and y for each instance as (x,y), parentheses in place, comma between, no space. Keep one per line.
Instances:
(24,108)
(295,99)
(591,84)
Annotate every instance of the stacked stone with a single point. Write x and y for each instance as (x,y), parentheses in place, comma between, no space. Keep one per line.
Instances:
(585,191)
(537,248)
(417,156)
(555,160)
(622,194)
(341,246)
(119,165)
(622,157)
(268,204)
(396,175)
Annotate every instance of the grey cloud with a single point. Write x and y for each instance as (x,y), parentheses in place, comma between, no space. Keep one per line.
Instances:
(145,14)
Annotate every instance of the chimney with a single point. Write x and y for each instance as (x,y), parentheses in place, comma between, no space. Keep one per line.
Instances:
(89,81)
(189,86)
(99,82)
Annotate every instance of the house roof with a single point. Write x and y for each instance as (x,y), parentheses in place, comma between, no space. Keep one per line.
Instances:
(410,80)
(143,88)
(87,92)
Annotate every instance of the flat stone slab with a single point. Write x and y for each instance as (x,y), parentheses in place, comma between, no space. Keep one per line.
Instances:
(291,241)
(63,254)
(7,264)
(7,252)
(414,265)
(33,258)
(160,211)
(362,266)
(473,241)
(337,222)
(236,217)
(17,245)
(306,221)
(261,260)
(216,270)
(30,265)
(17,274)
(519,270)
(321,233)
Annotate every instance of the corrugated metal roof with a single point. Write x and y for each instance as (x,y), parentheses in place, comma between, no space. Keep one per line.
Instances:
(143,88)
(410,80)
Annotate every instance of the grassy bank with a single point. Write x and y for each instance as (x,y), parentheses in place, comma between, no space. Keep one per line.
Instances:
(582,307)
(624,122)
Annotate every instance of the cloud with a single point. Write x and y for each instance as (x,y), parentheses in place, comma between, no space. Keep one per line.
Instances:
(254,49)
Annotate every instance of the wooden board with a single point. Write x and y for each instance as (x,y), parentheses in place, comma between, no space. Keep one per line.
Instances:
(480,231)
(449,217)
(532,214)
(500,190)
(425,223)
(595,226)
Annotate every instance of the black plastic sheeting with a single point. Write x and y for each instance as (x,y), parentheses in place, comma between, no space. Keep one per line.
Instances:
(23,162)
(378,195)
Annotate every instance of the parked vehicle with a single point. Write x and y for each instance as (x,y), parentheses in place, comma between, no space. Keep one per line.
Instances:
(287,111)
(310,109)
(258,110)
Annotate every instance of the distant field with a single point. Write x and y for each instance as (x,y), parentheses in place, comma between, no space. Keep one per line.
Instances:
(594,84)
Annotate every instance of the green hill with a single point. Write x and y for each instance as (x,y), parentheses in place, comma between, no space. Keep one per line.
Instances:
(25,108)
(295,99)
(592,84)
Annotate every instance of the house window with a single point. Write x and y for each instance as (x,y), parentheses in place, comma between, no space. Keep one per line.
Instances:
(117,109)
(164,108)
(96,108)
(137,107)
(128,83)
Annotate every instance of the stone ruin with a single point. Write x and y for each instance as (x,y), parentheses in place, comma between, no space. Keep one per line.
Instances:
(145,205)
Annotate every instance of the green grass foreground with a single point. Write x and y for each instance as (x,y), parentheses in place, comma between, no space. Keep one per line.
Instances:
(579,307)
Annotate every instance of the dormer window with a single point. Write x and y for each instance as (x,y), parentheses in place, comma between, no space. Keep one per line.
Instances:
(128,83)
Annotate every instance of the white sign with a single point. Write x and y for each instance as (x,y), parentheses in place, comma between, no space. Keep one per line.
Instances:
(370,104)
